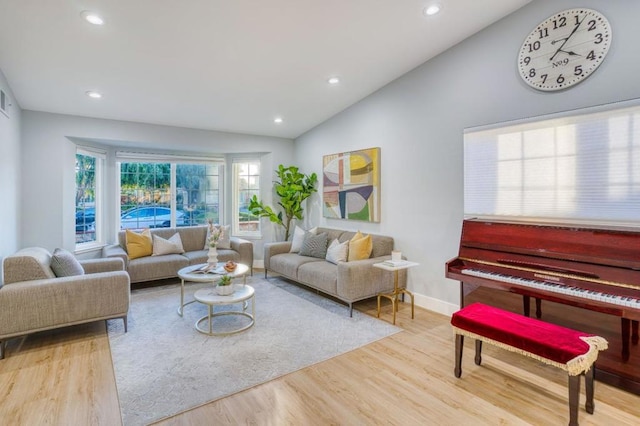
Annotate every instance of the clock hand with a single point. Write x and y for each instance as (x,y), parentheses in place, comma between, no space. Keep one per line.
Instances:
(570,53)
(568,37)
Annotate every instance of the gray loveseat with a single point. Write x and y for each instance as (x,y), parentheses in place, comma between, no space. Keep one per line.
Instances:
(346,281)
(33,299)
(151,268)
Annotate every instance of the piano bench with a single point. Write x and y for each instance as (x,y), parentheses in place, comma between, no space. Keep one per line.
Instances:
(572,351)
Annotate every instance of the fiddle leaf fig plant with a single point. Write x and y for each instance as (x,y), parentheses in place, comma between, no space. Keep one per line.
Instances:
(293,188)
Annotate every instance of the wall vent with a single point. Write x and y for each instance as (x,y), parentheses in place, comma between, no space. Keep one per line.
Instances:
(4,103)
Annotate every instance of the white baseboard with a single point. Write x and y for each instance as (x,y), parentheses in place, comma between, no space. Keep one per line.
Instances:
(435,305)
(258,264)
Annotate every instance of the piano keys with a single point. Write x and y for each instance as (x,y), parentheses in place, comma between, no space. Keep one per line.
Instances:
(593,269)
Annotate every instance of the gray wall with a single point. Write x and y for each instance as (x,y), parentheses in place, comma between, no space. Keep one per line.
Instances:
(418,121)
(48,163)
(9,174)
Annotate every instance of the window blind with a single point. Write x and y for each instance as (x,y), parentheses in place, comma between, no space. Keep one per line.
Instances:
(582,167)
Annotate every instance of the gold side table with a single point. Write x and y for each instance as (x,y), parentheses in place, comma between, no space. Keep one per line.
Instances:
(393,296)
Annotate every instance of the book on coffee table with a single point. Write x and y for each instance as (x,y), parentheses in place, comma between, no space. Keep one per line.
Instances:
(209,269)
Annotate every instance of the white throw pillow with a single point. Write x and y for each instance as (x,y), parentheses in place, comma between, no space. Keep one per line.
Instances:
(298,238)
(337,251)
(171,246)
(224,242)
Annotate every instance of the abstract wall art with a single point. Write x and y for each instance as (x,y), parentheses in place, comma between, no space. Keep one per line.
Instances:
(351,185)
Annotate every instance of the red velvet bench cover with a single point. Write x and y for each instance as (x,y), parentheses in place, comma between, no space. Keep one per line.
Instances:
(572,351)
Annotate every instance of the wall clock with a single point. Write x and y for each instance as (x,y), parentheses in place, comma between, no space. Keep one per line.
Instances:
(564,49)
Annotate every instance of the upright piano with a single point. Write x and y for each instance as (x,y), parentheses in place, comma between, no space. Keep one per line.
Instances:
(589,275)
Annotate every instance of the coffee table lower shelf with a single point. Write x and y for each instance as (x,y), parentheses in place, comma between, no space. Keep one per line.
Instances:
(209,297)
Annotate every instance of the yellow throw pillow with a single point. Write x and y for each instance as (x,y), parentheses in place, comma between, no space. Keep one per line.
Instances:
(360,247)
(139,245)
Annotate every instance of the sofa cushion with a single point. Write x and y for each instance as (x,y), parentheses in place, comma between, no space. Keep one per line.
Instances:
(321,275)
(201,256)
(139,245)
(337,251)
(65,264)
(171,246)
(288,263)
(314,245)
(151,268)
(360,247)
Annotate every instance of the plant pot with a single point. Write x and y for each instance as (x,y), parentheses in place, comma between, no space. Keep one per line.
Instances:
(225,290)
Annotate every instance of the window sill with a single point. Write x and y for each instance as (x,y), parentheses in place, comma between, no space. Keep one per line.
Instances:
(89,247)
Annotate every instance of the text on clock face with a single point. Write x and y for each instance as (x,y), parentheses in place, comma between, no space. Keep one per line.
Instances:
(564,49)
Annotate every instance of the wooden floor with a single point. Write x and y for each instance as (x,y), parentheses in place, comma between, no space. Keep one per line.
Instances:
(65,377)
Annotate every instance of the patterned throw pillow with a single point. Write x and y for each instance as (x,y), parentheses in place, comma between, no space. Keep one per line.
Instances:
(337,251)
(139,245)
(171,246)
(314,245)
(298,238)
(360,247)
(65,264)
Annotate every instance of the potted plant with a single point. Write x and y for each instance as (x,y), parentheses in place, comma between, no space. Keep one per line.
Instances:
(224,286)
(293,188)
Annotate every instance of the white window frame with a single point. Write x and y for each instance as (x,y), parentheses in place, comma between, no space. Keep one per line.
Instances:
(100,157)
(173,161)
(235,214)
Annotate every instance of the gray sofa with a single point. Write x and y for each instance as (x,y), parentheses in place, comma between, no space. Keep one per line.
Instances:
(151,268)
(346,281)
(33,299)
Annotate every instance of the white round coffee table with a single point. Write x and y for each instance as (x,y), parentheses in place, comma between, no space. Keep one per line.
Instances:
(188,274)
(241,295)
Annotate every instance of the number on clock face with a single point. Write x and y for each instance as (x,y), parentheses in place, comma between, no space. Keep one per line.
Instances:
(564,49)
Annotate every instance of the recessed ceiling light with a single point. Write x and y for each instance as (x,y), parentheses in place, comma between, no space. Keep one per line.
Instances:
(94,95)
(92,17)
(333,80)
(432,9)
(277,120)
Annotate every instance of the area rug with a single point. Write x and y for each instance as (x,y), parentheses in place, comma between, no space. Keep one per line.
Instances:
(164,366)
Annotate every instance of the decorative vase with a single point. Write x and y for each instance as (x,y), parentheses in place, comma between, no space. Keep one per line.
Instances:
(224,290)
(212,258)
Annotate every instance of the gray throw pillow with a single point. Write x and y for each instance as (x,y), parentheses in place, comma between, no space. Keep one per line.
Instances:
(314,245)
(65,264)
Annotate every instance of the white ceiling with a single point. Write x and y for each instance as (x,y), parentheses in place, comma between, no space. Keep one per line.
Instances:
(230,65)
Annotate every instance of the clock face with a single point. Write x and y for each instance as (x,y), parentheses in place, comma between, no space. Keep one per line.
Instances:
(564,49)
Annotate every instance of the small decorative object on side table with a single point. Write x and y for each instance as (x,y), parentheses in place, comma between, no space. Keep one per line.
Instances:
(395,266)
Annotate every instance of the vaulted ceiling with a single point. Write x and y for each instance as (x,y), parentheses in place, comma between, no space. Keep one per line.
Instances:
(230,65)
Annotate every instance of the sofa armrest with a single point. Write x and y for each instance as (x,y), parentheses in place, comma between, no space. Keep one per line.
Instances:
(245,251)
(116,250)
(94,266)
(271,249)
(359,279)
(29,306)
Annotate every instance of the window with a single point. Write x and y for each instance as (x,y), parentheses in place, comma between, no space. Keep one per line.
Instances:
(198,192)
(575,168)
(88,197)
(174,192)
(246,184)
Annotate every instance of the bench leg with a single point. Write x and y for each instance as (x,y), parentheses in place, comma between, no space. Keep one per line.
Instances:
(459,346)
(588,385)
(574,399)
(478,358)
